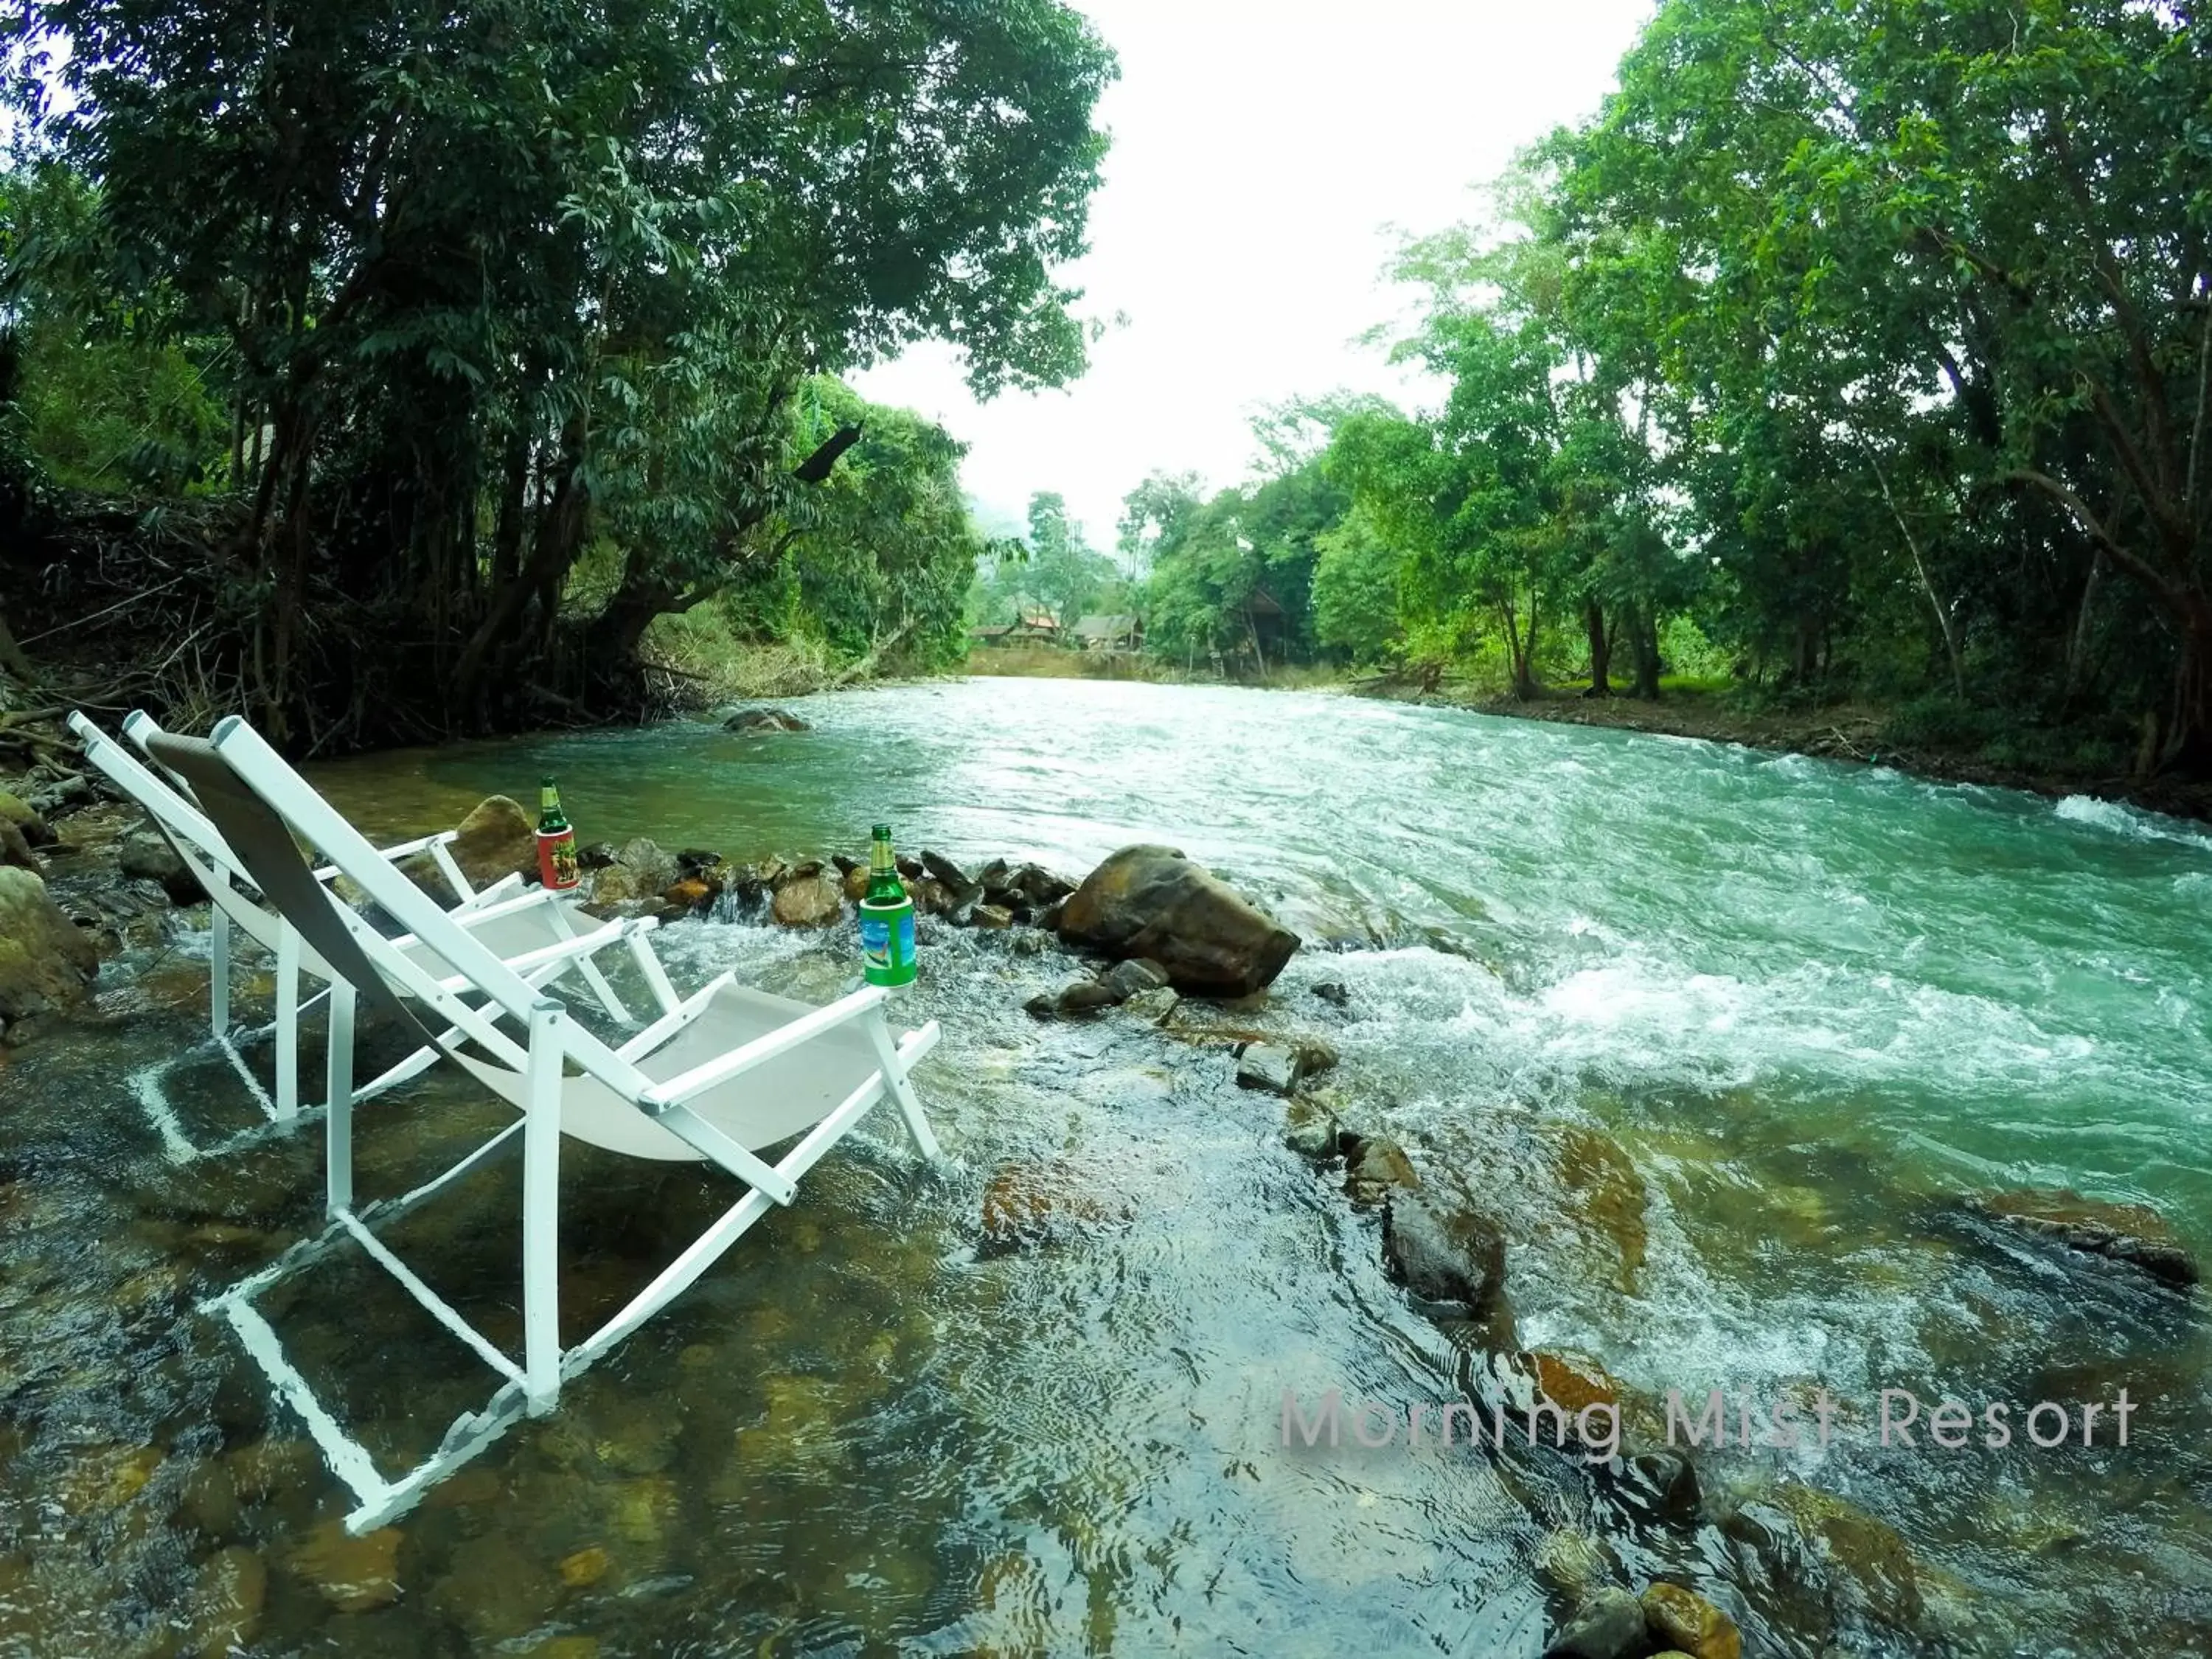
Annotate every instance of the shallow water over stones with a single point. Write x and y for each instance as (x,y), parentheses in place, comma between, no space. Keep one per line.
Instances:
(1717,1043)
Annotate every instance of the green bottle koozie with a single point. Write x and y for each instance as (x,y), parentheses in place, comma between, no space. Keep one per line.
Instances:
(887,943)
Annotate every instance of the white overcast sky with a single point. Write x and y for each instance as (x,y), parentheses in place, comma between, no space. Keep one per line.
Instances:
(1265,154)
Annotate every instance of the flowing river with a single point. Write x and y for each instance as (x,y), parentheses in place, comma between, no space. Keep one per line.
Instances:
(1722,1037)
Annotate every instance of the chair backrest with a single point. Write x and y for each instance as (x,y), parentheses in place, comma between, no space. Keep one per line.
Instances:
(183,826)
(251,794)
(273,862)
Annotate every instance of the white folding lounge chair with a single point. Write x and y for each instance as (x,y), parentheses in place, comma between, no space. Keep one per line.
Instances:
(515,922)
(721,1076)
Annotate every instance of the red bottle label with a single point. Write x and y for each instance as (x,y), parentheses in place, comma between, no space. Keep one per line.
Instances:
(556,859)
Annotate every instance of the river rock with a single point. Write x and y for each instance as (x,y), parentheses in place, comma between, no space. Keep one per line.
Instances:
(45,959)
(15,850)
(1444,1254)
(1155,1007)
(1153,902)
(18,813)
(354,1574)
(1039,1202)
(1870,1552)
(1310,1130)
(1332,990)
(1605,1198)
(1684,1620)
(1374,1167)
(2133,1233)
(147,856)
(1137,974)
(765,719)
(815,899)
(1609,1624)
(1268,1066)
(495,840)
(227,1601)
(1572,1382)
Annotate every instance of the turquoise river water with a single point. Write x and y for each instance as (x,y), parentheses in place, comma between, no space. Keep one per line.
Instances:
(1721,1037)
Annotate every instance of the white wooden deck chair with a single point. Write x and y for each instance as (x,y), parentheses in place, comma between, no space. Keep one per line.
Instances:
(514,922)
(722,1077)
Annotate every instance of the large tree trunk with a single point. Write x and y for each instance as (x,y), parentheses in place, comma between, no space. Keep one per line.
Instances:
(1601,648)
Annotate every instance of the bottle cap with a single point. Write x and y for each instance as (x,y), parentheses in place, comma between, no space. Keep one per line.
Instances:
(883,832)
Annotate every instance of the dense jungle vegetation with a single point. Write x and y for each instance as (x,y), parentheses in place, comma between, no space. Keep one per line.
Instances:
(1855,349)
(1851,350)
(389,371)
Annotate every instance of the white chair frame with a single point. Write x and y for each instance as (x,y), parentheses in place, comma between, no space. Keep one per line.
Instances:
(163,798)
(551,1040)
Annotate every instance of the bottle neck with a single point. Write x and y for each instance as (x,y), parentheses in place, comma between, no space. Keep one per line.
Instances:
(880,861)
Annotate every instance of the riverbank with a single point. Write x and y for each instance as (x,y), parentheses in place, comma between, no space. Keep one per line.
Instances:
(1945,750)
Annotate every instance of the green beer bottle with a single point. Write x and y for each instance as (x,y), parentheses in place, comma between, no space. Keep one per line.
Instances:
(886,918)
(557,841)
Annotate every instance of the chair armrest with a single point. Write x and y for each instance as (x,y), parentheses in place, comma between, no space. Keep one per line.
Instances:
(583,944)
(699,1079)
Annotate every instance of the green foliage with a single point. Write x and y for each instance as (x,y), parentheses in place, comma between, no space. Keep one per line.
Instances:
(478,288)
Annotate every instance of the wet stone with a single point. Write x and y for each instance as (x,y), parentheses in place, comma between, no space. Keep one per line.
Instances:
(1310,1130)
(1334,991)
(226,1602)
(1608,1625)
(1268,1066)
(1155,1006)
(1375,1167)
(1134,977)
(1684,1620)
(353,1574)
(1444,1254)
(2131,1233)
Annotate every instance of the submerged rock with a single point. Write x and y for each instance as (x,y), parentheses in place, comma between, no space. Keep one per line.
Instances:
(1038,1203)
(354,1574)
(1332,990)
(1609,1624)
(227,1601)
(765,719)
(1683,1620)
(495,840)
(2133,1233)
(1310,1130)
(1153,902)
(46,961)
(1444,1254)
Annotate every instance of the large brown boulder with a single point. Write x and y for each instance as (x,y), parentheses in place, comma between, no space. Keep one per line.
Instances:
(497,839)
(45,959)
(1153,902)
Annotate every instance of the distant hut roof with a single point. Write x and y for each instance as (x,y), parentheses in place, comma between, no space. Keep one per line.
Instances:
(1105,628)
(998,633)
(1039,619)
(1264,603)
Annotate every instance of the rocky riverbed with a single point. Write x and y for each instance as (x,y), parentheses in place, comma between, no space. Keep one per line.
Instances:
(1161,1013)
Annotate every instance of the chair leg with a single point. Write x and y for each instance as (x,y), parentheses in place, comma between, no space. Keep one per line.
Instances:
(338,1129)
(540,1213)
(219,972)
(287,1023)
(909,1103)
